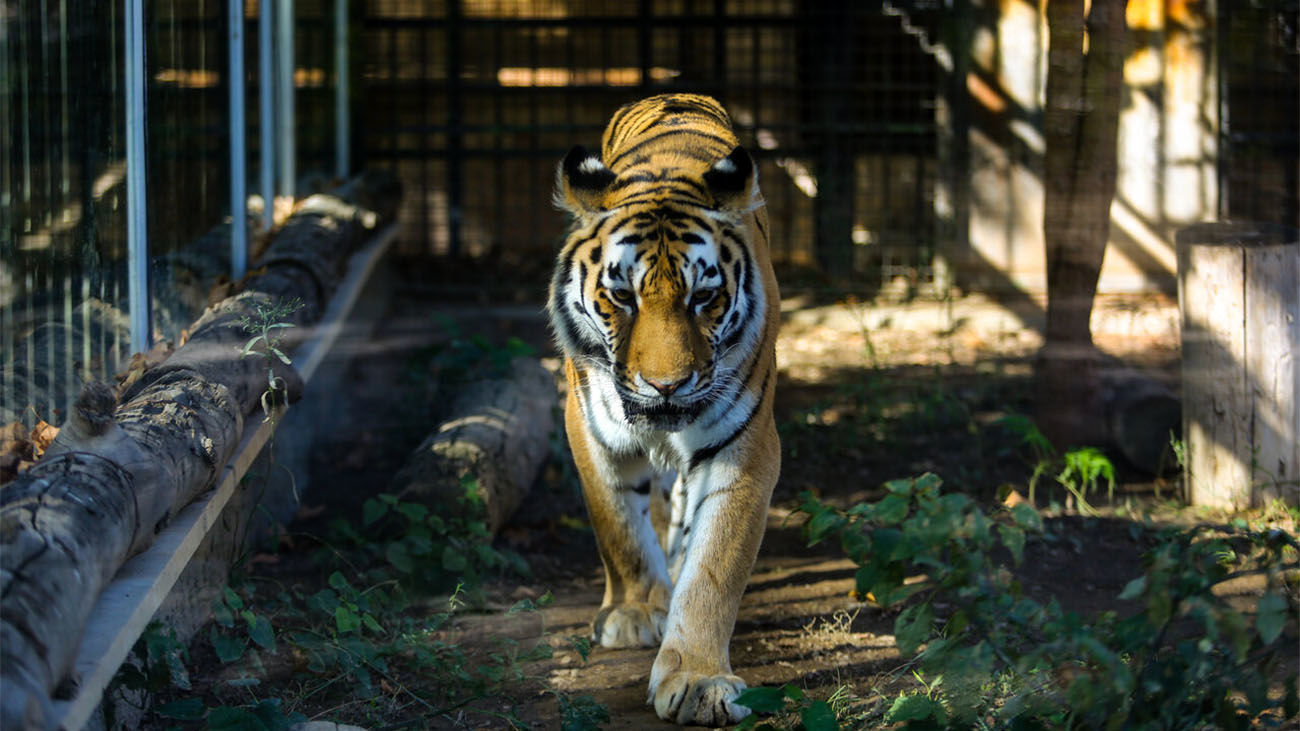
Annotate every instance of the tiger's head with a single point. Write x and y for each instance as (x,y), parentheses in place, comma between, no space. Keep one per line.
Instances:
(657,283)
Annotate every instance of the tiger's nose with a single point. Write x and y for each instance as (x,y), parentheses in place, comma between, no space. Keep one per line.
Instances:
(665,388)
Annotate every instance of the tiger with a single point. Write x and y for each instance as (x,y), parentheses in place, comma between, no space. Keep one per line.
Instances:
(664,304)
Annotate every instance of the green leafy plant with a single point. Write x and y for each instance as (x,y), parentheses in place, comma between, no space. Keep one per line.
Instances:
(1084,469)
(265,325)
(989,656)
(426,551)
(1080,471)
(474,356)
(790,702)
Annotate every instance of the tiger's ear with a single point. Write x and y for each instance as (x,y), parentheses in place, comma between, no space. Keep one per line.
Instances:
(733,180)
(580,181)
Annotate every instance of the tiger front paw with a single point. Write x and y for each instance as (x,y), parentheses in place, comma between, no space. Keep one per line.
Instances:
(629,625)
(700,700)
(694,698)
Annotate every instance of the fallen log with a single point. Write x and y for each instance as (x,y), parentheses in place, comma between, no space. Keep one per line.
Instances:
(69,522)
(496,430)
(115,475)
(1143,416)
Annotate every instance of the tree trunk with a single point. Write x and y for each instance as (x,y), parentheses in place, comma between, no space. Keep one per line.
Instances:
(497,431)
(114,477)
(1080,125)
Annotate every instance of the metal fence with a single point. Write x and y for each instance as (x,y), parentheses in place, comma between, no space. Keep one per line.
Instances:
(1259,75)
(98,97)
(474,101)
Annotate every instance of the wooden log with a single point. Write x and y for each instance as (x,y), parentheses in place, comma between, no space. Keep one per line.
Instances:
(106,486)
(497,430)
(1239,298)
(113,479)
(1142,413)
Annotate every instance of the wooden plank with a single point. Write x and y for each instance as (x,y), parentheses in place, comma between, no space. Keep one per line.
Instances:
(1216,424)
(1272,335)
(1239,297)
(130,601)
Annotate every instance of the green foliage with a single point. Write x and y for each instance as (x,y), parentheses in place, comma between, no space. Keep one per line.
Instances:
(1084,468)
(996,658)
(358,635)
(581,713)
(804,713)
(157,662)
(1080,471)
(265,325)
(474,357)
(423,550)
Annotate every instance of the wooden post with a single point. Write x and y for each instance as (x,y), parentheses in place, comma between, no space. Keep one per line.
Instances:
(1239,298)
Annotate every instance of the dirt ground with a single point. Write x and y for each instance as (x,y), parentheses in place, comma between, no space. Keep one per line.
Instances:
(868,392)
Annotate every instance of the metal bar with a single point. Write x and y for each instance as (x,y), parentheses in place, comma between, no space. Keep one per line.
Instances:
(238,145)
(266,97)
(137,234)
(285,98)
(644,42)
(455,140)
(342,130)
(590,21)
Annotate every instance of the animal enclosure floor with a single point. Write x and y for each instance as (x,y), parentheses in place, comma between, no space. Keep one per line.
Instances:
(867,394)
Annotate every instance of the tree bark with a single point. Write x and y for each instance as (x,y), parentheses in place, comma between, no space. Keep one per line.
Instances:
(496,430)
(107,485)
(115,475)
(1080,125)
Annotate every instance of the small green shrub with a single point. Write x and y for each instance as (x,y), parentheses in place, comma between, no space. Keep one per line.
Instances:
(991,657)
(1080,470)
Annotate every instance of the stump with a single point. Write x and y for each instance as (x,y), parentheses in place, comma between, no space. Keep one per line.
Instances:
(1239,298)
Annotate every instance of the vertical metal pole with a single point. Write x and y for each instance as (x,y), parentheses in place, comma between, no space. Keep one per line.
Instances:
(266,114)
(238,145)
(137,239)
(455,138)
(342,131)
(284,97)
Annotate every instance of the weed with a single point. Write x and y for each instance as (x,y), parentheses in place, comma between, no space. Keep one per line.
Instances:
(987,656)
(1080,470)
(354,640)
(791,704)
(265,325)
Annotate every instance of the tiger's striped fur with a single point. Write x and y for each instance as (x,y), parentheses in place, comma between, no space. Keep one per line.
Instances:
(666,308)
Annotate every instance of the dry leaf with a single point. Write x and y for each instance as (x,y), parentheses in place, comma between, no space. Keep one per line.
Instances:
(220,289)
(140,363)
(42,436)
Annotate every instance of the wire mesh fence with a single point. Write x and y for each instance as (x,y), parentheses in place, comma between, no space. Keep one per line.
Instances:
(474,102)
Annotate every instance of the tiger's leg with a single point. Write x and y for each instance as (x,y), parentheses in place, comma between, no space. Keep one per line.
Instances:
(616,491)
(661,508)
(692,681)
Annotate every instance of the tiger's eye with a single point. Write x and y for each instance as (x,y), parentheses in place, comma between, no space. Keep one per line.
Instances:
(623,296)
